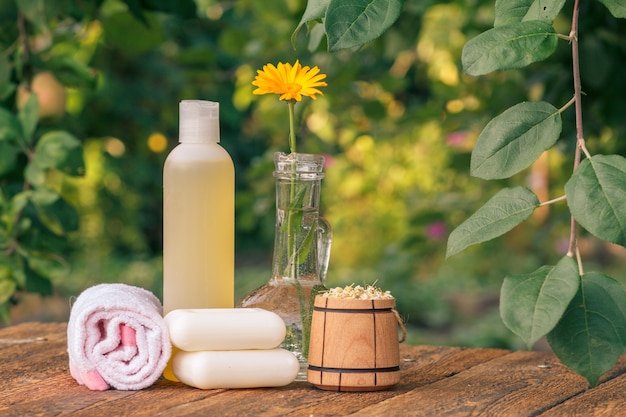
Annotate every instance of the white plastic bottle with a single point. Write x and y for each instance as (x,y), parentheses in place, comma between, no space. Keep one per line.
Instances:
(198,214)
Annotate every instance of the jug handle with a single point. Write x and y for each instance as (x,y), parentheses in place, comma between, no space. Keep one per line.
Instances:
(324,241)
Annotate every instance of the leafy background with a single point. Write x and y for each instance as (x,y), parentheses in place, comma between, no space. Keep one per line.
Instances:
(398,121)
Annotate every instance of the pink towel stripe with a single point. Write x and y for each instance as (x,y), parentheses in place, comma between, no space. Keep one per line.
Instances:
(128,335)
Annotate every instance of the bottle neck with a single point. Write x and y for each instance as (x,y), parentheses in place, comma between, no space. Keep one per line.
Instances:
(298,166)
(298,180)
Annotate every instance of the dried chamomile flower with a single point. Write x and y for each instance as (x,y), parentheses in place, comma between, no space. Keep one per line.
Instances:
(358,292)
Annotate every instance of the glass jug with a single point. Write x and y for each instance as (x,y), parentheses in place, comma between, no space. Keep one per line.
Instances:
(301,251)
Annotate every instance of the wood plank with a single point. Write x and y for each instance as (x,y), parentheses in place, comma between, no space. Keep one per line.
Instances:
(300,398)
(23,332)
(608,399)
(420,365)
(31,353)
(60,395)
(39,383)
(441,381)
(520,384)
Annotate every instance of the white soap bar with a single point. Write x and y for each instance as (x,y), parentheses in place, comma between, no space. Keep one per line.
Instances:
(225,329)
(236,368)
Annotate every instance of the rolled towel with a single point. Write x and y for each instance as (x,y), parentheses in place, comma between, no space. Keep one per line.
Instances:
(116,337)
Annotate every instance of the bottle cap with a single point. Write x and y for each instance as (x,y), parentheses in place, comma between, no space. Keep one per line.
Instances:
(199,121)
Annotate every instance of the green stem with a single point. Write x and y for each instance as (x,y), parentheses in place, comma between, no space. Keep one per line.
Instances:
(554,200)
(579,261)
(568,104)
(291,233)
(291,239)
(580,140)
(292,126)
(292,249)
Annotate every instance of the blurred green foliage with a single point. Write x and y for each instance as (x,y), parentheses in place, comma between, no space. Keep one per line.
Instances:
(397,120)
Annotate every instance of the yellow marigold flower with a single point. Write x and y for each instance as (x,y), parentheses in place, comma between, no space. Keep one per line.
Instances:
(291,82)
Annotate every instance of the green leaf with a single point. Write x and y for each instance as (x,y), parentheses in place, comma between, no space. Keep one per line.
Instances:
(47,264)
(512,46)
(8,156)
(71,72)
(34,174)
(505,210)
(54,212)
(5,70)
(10,128)
(597,197)
(37,283)
(7,283)
(590,337)
(515,139)
(19,275)
(302,251)
(294,212)
(38,12)
(512,11)
(28,117)
(186,9)
(12,211)
(134,7)
(316,35)
(5,312)
(60,150)
(7,288)
(315,11)
(6,90)
(546,10)
(532,304)
(352,23)
(123,32)
(7,87)
(616,7)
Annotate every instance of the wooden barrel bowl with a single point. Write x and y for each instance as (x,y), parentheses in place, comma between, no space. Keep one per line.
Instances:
(354,345)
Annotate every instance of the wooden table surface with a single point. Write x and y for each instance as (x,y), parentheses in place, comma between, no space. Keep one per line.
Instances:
(435,381)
